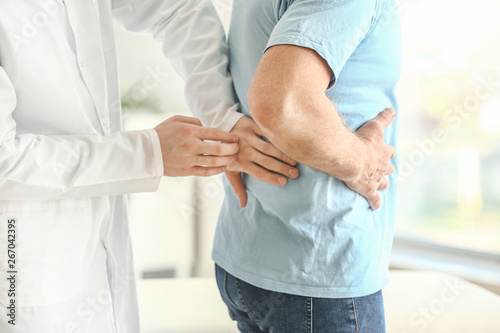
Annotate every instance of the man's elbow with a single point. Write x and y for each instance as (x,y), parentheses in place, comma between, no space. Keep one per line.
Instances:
(267,110)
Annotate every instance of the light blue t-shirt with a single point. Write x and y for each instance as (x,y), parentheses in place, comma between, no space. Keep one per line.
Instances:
(315,237)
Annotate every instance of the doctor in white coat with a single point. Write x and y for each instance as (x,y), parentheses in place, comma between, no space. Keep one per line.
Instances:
(65,164)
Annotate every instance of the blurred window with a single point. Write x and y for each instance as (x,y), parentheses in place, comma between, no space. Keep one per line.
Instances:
(449,148)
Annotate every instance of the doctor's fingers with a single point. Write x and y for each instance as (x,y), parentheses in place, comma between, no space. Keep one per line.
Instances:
(214,134)
(213,161)
(217,149)
(206,171)
(184,119)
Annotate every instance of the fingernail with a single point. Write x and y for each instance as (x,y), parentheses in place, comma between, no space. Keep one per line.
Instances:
(290,161)
(292,172)
(281,180)
(235,139)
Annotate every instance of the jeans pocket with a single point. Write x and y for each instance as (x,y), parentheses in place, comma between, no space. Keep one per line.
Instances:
(221,278)
(48,250)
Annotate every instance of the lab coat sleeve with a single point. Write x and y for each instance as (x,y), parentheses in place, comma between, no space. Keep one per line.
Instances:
(194,41)
(38,167)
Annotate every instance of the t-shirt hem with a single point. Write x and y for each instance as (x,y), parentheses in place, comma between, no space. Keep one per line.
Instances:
(294,289)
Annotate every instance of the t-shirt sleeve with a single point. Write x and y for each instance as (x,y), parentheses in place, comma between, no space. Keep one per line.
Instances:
(333,28)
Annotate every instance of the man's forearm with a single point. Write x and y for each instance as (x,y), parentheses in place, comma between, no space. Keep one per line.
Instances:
(287,100)
(311,132)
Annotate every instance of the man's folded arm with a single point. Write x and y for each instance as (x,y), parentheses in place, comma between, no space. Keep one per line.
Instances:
(287,99)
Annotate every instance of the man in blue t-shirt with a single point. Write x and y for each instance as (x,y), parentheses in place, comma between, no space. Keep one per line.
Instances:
(313,255)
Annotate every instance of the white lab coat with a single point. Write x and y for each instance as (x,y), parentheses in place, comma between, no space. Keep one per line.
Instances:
(65,165)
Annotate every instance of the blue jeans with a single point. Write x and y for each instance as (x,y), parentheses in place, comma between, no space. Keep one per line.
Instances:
(259,310)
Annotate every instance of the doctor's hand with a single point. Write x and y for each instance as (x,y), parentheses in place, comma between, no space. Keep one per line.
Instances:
(258,158)
(185,152)
(375,164)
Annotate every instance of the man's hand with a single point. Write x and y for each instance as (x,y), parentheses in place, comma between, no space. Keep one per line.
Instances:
(257,158)
(185,152)
(377,159)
